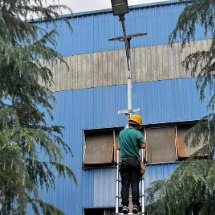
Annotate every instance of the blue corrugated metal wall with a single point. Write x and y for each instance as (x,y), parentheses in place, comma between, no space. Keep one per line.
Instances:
(160,102)
(105,184)
(92,31)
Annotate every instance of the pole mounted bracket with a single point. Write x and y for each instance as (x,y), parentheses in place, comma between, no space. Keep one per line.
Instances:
(128,112)
(129,37)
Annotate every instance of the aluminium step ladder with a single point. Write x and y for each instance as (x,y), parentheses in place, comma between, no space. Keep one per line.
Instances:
(142,195)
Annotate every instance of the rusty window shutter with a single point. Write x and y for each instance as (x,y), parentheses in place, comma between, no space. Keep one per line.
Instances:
(99,148)
(160,144)
(183,150)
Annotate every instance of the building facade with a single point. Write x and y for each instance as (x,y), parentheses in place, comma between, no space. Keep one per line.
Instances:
(92,91)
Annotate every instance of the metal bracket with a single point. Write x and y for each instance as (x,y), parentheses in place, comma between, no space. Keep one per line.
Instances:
(128,112)
(122,38)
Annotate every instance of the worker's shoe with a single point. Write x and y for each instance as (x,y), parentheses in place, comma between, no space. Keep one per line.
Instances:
(135,209)
(125,210)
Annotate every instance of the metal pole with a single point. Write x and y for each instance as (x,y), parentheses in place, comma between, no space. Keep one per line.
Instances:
(128,56)
(143,189)
(129,78)
(117,182)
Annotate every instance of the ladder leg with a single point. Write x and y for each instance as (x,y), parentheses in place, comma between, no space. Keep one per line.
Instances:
(142,188)
(117,183)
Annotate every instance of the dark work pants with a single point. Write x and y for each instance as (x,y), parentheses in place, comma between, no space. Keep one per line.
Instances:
(130,174)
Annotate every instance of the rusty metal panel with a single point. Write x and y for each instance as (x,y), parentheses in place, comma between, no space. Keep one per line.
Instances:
(161,145)
(98,148)
(183,150)
(108,68)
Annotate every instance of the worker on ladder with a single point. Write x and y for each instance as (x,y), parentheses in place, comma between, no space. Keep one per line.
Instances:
(131,141)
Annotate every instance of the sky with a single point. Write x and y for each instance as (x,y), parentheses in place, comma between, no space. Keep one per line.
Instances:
(90,5)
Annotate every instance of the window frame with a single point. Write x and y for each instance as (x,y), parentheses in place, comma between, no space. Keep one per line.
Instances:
(144,132)
(100,166)
(160,126)
(181,158)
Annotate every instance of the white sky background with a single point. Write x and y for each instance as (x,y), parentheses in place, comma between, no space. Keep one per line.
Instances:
(89,5)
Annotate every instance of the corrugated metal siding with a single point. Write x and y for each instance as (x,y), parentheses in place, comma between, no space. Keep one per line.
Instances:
(104,187)
(105,182)
(91,32)
(102,69)
(158,172)
(160,102)
(104,192)
(169,101)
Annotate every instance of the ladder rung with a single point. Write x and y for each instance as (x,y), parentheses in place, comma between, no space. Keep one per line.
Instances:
(120,197)
(130,213)
(121,180)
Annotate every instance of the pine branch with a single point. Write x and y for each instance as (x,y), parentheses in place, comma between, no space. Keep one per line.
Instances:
(29,148)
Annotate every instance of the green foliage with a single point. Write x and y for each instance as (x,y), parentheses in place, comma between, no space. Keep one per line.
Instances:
(24,91)
(201,13)
(190,189)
